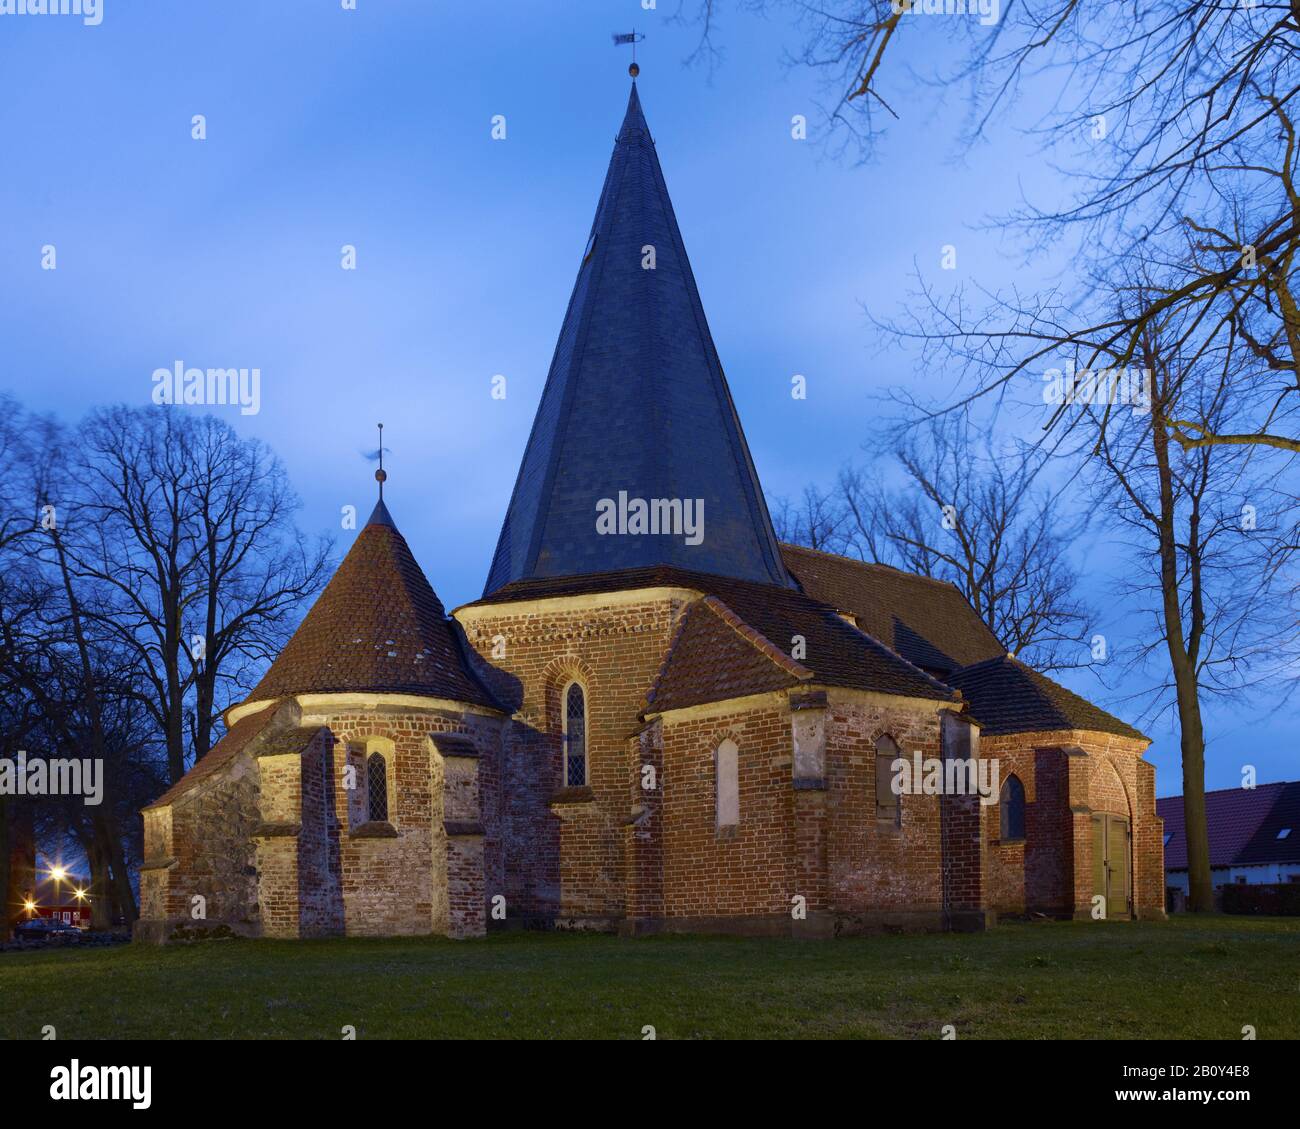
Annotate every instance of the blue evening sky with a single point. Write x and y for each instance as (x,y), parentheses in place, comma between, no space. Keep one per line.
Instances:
(373,128)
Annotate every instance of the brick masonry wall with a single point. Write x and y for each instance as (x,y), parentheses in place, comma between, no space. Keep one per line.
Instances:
(566,860)
(1052,871)
(319,894)
(270,840)
(881,872)
(748,870)
(391,886)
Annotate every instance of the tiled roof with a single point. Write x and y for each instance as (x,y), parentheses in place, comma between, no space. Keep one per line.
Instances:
(635,401)
(837,653)
(236,740)
(377,627)
(1006,696)
(1243,824)
(715,656)
(929,622)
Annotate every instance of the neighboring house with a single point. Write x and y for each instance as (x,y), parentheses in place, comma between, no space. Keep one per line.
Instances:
(656,717)
(1254,836)
(59,900)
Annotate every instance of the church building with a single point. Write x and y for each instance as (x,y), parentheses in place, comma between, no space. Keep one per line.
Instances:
(657,717)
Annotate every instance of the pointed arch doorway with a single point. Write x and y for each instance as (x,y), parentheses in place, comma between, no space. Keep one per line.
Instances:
(1112,863)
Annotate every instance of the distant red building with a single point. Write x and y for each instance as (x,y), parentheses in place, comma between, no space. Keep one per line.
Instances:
(59,900)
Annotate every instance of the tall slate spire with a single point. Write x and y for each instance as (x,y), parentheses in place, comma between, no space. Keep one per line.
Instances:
(635,402)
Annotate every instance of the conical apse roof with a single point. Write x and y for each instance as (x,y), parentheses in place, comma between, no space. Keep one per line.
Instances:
(377,627)
(635,402)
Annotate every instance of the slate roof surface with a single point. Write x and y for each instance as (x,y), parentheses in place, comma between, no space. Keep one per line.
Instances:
(1006,696)
(837,653)
(1243,825)
(928,622)
(635,401)
(377,627)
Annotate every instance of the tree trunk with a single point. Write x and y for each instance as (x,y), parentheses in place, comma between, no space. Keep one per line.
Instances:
(7,914)
(1182,658)
(19,861)
(101,902)
(123,896)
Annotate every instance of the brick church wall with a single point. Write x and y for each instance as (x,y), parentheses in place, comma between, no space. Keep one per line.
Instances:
(275,842)
(1051,871)
(564,852)
(392,885)
(881,874)
(814,836)
(747,871)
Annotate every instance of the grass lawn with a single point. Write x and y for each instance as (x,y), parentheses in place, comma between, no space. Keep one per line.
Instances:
(1201,979)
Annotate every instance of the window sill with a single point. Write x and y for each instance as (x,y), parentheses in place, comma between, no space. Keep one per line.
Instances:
(376,829)
(582,794)
(731,831)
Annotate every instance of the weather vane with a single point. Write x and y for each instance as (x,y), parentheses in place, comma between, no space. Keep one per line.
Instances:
(632,37)
(381,475)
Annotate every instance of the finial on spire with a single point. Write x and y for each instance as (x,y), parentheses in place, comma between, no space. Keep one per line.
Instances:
(620,39)
(381,475)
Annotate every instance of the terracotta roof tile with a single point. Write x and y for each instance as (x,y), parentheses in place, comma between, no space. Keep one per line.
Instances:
(377,627)
(927,621)
(837,653)
(237,739)
(715,656)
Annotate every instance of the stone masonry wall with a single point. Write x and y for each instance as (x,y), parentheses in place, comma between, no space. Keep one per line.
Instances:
(209,835)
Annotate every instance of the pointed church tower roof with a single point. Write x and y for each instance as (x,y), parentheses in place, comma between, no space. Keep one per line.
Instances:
(635,402)
(378,627)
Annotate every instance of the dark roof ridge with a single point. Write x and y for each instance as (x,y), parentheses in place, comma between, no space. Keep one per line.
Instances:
(859,562)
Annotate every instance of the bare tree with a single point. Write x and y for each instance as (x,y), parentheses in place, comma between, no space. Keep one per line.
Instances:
(982,519)
(1216,534)
(974,516)
(181,536)
(1173,122)
(818,520)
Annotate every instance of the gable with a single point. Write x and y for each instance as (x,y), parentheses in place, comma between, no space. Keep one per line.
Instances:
(715,656)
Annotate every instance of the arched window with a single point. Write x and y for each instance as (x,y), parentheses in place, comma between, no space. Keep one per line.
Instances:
(376,788)
(575,736)
(888,805)
(1012,802)
(727,773)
